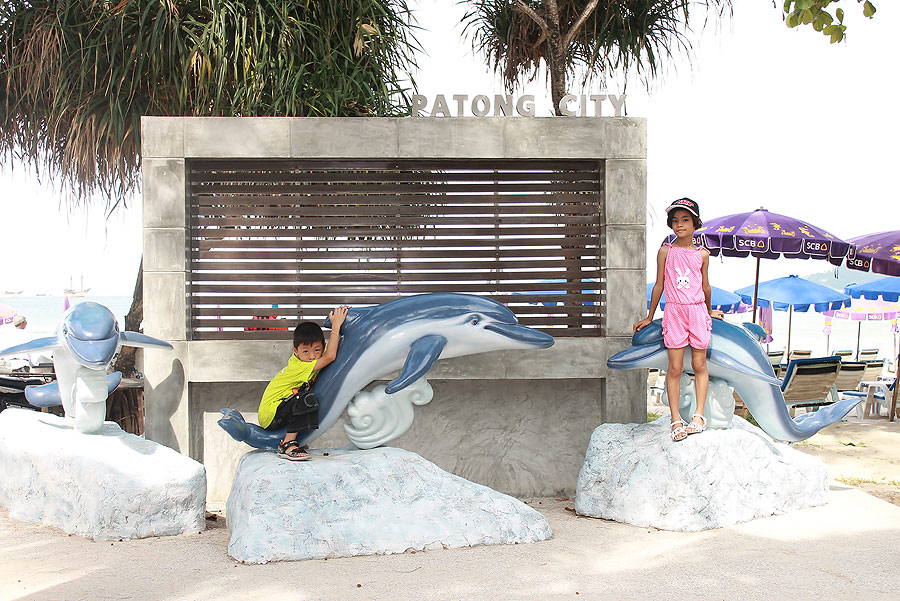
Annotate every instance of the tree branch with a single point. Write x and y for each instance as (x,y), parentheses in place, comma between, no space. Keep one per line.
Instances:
(520,4)
(579,22)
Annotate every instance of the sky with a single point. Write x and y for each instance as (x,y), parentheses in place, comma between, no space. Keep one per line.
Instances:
(761,116)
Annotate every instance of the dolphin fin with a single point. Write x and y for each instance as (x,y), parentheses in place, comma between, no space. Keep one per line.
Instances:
(48,395)
(112,381)
(755,330)
(44,396)
(728,362)
(139,340)
(39,344)
(422,355)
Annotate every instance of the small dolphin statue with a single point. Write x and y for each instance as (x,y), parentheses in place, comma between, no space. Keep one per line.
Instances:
(85,343)
(408,334)
(735,355)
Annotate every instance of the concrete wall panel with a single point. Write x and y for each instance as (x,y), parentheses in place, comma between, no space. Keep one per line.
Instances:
(495,415)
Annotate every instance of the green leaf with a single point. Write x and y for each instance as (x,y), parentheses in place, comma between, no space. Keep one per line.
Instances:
(793,19)
(840,15)
(868,9)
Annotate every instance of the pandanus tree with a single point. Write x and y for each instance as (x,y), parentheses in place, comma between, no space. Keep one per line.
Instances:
(601,38)
(76,77)
(590,38)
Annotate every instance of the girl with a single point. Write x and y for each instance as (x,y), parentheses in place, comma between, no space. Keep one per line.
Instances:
(681,273)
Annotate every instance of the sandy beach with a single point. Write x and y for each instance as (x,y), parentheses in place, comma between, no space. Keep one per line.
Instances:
(843,549)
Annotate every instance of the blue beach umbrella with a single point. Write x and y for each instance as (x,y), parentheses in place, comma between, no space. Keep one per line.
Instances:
(723,300)
(794,293)
(887,289)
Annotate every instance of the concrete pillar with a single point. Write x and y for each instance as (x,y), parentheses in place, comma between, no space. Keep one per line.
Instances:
(625,268)
(165,264)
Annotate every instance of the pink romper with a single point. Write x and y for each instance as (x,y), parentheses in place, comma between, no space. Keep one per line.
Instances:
(686,319)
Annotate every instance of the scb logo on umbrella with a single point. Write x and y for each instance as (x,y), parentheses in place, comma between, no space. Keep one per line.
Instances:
(815,247)
(753,243)
(858,263)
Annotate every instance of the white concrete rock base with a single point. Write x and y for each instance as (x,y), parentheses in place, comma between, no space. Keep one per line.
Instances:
(636,474)
(355,502)
(106,486)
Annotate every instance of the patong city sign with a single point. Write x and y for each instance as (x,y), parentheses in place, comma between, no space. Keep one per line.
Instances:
(507,105)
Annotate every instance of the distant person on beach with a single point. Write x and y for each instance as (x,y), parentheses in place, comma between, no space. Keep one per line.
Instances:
(15,337)
(286,401)
(681,271)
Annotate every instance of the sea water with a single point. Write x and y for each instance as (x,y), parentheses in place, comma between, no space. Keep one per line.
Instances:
(45,312)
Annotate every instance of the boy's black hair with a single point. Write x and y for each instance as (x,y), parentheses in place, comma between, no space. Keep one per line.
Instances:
(697,221)
(308,332)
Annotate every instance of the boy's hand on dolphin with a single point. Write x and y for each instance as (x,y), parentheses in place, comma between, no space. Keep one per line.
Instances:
(338,315)
(716,314)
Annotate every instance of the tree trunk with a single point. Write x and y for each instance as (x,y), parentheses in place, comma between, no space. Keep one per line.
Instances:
(557,53)
(126,406)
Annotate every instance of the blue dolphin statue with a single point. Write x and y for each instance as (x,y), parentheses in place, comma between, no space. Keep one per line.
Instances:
(408,334)
(83,347)
(735,355)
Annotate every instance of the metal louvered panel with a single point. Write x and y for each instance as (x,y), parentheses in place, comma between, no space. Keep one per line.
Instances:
(283,240)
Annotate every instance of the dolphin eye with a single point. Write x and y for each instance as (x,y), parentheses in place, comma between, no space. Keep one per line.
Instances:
(474,321)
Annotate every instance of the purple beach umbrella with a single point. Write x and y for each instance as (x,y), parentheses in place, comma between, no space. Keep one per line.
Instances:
(767,235)
(878,253)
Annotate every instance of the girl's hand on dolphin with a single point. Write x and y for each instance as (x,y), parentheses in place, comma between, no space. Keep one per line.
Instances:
(716,314)
(338,315)
(642,323)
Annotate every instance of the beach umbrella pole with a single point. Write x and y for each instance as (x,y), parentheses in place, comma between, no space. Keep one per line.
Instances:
(858,332)
(790,316)
(896,386)
(755,289)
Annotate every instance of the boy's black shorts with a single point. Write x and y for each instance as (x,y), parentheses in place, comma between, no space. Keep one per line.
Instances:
(299,412)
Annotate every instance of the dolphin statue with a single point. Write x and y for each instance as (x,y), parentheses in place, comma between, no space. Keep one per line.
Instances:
(83,347)
(407,334)
(735,355)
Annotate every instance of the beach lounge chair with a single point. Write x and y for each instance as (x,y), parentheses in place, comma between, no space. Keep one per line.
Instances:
(809,383)
(799,354)
(775,357)
(843,353)
(868,354)
(872,388)
(851,375)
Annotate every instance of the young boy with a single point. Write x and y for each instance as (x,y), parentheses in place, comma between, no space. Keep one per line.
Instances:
(279,406)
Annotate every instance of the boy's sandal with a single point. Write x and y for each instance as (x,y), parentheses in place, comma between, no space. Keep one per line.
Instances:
(292,451)
(677,432)
(694,427)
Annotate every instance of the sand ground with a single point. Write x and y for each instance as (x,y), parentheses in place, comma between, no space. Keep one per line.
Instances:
(846,549)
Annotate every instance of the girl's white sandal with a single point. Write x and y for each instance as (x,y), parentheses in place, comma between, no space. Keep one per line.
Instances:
(679,430)
(694,427)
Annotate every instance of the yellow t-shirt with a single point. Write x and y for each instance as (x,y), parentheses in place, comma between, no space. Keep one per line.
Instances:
(296,373)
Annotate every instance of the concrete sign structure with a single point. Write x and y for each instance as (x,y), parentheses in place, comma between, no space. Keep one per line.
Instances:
(517,421)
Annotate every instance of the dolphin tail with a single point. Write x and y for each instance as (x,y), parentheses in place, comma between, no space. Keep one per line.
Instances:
(811,422)
(255,436)
(771,413)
